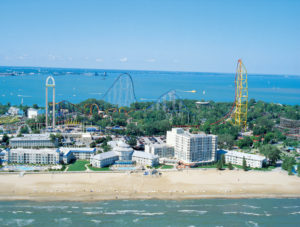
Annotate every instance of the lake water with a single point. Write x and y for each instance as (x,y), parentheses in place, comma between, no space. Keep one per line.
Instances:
(76,85)
(206,212)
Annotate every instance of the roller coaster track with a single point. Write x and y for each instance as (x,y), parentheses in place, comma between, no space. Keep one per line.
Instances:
(115,83)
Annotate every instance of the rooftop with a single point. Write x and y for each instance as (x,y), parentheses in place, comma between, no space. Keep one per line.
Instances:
(32,137)
(184,133)
(142,154)
(105,155)
(67,150)
(246,155)
(46,150)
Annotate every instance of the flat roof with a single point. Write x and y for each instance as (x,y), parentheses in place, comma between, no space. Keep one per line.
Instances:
(246,155)
(44,150)
(105,155)
(142,154)
(67,150)
(32,137)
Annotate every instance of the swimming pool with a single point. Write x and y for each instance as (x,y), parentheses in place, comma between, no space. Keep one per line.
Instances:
(125,168)
(22,168)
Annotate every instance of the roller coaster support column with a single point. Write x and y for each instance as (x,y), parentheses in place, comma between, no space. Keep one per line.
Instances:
(241,99)
(52,84)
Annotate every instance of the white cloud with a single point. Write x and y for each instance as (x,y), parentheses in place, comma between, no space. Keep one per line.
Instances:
(151,60)
(123,59)
(99,60)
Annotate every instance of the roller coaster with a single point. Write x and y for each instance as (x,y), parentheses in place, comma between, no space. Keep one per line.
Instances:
(121,92)
(239,108)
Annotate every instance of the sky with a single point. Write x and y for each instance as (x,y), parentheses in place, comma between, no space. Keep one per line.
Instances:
(171,35)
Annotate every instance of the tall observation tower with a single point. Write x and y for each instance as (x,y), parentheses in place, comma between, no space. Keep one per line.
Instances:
(241,96)
(52,84)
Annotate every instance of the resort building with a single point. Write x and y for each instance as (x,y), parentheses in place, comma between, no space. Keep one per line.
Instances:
(33,156)
(161,150)
(33,113)
(252,160)
(14,111)
(69,154)
(145,159)
(123,150)
(31,141)
(104,159)
(192,148)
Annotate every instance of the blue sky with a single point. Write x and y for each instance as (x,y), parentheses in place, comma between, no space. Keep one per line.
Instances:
(186,35)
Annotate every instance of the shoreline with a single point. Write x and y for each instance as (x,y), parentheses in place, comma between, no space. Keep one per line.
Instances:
(177,198)
(180,185)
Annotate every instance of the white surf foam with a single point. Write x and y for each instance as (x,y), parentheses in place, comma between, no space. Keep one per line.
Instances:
(193,211)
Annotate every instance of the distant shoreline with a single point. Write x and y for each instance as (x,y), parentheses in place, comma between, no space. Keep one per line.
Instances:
(198,184)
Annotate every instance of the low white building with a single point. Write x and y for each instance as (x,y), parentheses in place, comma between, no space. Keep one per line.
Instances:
(104,159)
(161,150)
(252,160)
(32,113)
(145,159)
(72,153)
(123,150)
(32,140)
(33,156)
(14,111)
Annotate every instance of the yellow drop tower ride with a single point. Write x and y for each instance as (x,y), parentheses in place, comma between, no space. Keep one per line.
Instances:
(241,96)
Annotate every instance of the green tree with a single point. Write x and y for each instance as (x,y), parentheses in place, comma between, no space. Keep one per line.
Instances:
(245,142)
(92,144)
(230,167)
(298,169)
(132,141)
(5,139)
(219,165)
(24,130)
(106,148)
(35,106)
(244,164)
(223,159)
(56,139)
(290,168)
(271,152)
(287,162)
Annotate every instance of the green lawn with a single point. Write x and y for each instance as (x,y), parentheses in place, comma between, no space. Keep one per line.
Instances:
(167,167)
(98,169)
(208,166)
(78,165)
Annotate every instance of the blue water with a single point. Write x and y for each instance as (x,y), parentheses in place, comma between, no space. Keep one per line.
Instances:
(149,85)
(210,212)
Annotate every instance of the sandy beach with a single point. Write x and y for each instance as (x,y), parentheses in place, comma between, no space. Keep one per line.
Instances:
(171,185)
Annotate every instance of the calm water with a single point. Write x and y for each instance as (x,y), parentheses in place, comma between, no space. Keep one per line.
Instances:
(211,212)
(80,84)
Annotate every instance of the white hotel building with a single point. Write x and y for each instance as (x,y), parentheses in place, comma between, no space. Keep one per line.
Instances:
(32,141)
(252,160)
(192,148)
(32,156)
(161,150)
(104,159)
(145,159)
